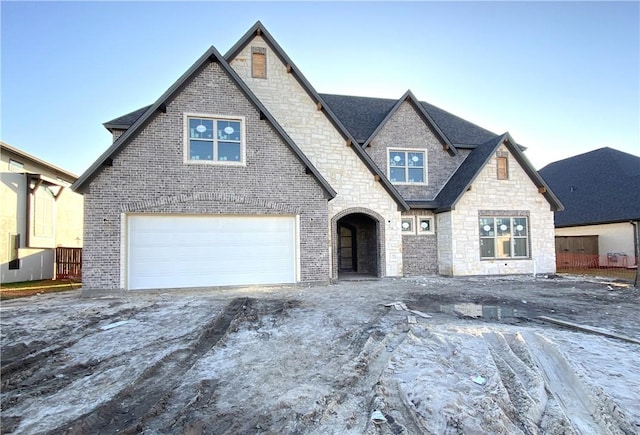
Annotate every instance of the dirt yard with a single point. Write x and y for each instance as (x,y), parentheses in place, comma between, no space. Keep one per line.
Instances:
(471,357)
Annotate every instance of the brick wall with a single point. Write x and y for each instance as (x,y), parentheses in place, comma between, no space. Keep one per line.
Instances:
(150,176)
(406,129)
(420,251)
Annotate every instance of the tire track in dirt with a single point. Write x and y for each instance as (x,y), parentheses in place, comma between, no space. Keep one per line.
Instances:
(545,393)
(360,387)
(587,412)
(521,379)
(24,366)
(145,398)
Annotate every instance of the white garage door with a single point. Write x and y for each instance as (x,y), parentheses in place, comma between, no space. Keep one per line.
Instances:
(168,251)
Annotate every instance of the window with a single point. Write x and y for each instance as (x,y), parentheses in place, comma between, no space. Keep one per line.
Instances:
(15,166)
(406,166)
(259,62)
(407,225)
(504,237)
(502,159)
(425,225)
(217,140)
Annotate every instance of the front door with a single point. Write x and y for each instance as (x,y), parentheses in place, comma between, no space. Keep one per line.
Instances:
(347,256)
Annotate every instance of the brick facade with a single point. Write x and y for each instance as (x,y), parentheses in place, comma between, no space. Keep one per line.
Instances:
(405,129)
(149,176)
(420,250)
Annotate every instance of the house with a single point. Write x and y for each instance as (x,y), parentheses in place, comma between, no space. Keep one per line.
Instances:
(241,173)
(601,193)
(39,213)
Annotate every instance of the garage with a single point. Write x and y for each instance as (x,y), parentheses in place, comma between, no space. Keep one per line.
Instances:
(175,251)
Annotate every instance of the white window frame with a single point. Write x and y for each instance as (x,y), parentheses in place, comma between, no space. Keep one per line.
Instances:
(431,229)
(411,220)
(408,150)
(214,117)
(512,238)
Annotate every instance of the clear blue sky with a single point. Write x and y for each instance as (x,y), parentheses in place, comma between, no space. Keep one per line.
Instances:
(562,77)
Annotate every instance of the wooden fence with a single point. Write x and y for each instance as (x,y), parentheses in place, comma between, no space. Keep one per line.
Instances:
(69,263)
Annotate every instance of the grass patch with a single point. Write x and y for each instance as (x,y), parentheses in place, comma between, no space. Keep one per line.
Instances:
(14,290)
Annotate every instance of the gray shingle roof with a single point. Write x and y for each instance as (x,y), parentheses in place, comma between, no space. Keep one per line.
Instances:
(125,121)
(465,174)
(361,116)
(601,186)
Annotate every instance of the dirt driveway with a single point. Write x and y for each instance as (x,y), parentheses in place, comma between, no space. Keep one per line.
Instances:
(453,355)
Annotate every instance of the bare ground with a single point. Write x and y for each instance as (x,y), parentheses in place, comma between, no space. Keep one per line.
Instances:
(323,359)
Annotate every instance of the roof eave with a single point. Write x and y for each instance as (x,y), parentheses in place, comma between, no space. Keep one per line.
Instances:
(423,205)
(36,160)
(586,224)
(112,127)
(552,199)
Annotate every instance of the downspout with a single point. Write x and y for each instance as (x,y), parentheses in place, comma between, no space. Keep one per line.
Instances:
(28,211)
(636,243)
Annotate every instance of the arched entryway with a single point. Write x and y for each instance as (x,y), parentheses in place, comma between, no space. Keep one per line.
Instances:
(357,248)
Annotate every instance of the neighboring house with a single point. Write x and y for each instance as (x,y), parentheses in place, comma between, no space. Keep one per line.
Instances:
(601,194)
(39,213)
(241,173)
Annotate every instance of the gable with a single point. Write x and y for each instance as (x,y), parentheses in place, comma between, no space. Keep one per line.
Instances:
(476,162)
(151,173)
(225,80)
(362,115)
(405,129)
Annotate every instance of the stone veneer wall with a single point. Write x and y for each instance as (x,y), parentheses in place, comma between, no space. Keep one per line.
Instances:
(149,176)
(312,131)
(445,244)
(406,129)
(460,255)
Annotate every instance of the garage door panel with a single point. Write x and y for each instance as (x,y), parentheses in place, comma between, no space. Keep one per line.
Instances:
(188,251)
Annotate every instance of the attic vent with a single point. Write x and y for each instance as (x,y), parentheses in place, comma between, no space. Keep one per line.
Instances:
(259,62)
(502,159)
